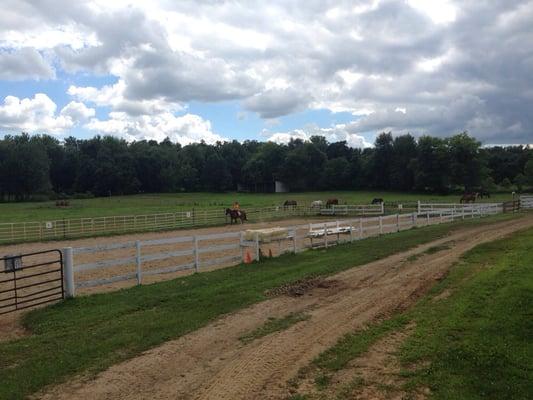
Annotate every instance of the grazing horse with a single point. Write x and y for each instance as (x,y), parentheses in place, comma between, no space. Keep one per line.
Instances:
(317,204)
(290,203)
(235,215)
(377,201)
(469,198)
(332,202)
(484,193)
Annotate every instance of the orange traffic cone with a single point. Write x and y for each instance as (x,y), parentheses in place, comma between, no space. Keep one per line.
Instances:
(247,258)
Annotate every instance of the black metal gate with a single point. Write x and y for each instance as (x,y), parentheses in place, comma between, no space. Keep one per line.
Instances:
(30,279)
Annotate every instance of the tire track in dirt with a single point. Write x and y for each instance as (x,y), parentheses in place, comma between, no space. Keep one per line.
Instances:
(212,363)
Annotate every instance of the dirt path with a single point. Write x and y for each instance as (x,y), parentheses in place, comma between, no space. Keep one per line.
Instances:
(212,363)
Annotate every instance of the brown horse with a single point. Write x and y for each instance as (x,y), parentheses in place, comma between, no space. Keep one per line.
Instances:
(332,202)
(469,198)
(235,215)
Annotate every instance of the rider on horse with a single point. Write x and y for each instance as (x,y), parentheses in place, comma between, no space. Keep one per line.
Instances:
(237,207)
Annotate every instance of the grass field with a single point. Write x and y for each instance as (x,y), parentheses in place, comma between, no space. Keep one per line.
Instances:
(162,203)
(475,344)
(88,334)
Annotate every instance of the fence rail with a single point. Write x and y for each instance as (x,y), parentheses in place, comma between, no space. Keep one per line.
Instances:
(526,201)
(230,248)
(85,227)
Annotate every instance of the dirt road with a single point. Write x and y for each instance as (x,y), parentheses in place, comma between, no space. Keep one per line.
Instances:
(212,363)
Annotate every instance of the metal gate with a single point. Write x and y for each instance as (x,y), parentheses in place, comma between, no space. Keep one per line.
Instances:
(30,279)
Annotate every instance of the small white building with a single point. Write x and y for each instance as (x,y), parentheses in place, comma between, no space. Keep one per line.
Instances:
(280,187)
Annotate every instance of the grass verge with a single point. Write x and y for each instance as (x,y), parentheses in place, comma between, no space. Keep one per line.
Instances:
(88,334)
(475,344)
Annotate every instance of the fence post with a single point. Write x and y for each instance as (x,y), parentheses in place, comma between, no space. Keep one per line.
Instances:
(463,213)
(138,261)
(380,225)
(360,228)
(397,222)
(351,231)
(427,218)
(241,239)
(196,255)
(418,208)
(257,246)
(68,276)
(441,217)
(294,240)
(382,207)
(326,235)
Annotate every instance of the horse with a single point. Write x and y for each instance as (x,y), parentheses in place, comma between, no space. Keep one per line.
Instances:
(317,204)
(332,202)
(290,203)
(377,200)
(235,215)
(469,198)
(484,193)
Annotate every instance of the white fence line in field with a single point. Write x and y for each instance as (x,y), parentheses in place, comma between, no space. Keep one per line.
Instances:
(350,209)
(83,227)
(322,234)
(526,201)
(462,208)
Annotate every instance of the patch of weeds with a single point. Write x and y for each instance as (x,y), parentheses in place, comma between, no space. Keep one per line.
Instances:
(348,389)
(274,325)
(322,381)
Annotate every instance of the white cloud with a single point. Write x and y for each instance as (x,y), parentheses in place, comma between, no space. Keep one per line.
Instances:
(183,129)
(340,132)
(38,114)
(77,111)
(113,96)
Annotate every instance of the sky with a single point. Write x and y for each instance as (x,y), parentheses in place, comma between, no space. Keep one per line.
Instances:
(267,70)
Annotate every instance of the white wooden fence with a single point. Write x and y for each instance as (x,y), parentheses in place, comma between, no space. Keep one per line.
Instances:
(526,201)
(83,227)
(462,208)
(184,253)
(349,209)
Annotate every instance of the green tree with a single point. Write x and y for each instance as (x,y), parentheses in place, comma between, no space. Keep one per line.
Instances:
(528,172)
(467,164)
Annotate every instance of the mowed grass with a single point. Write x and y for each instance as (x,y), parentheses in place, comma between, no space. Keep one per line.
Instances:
(89,333)
(171,202)
(475,344)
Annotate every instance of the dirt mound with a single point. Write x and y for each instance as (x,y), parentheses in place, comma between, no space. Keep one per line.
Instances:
(302,286)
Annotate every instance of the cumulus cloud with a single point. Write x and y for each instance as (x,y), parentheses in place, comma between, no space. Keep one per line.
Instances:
(38,114)
(450,65)
(184,129)
(26,63)
(337,133)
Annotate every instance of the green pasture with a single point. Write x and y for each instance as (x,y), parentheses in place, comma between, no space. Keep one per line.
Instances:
(170,202)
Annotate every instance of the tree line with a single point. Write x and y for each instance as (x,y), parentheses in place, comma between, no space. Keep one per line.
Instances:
(41,166)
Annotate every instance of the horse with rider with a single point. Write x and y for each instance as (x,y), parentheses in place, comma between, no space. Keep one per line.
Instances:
(235,213)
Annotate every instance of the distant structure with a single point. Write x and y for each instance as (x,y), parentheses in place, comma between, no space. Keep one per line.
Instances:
(264,187)
(281,187)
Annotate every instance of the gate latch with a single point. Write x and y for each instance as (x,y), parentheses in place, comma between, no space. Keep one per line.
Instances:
(12,263)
